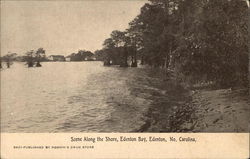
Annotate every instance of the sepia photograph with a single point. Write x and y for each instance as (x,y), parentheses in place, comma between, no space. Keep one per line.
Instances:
(125,66)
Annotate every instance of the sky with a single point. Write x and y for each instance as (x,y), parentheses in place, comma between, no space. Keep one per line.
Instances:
(63,27)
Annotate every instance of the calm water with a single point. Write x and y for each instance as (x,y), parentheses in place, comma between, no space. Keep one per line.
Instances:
(74,97)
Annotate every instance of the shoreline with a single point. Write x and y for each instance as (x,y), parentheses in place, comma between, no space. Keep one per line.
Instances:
(201,110)
(221,110)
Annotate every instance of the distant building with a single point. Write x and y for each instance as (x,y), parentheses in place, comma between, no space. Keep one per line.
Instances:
(56,58)
(67,58)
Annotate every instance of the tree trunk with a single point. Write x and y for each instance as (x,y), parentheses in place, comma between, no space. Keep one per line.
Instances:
(8,64)
(134,60)
(248,48)
(142,60)
(106,62)
(170,64)
(166,62)
(30,64)
(38,64)
(124,62)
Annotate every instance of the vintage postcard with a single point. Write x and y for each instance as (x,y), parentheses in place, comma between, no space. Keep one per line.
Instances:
(124,79)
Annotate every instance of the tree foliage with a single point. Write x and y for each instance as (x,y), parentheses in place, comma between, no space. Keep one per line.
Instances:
(9,58)
(202,39)
(81,55)
(33,57)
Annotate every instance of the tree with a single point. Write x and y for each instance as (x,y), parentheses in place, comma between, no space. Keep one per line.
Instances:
(204,40)
(99,54)
(40,53)
(29,58)
(111,49)
(9,58)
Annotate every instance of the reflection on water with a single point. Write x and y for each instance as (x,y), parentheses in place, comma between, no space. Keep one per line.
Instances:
(74,97)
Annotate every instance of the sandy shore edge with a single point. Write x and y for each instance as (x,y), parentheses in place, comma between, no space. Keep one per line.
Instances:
(201,110)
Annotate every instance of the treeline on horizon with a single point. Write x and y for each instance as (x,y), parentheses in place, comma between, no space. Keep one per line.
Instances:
(199,40)
(34,57)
